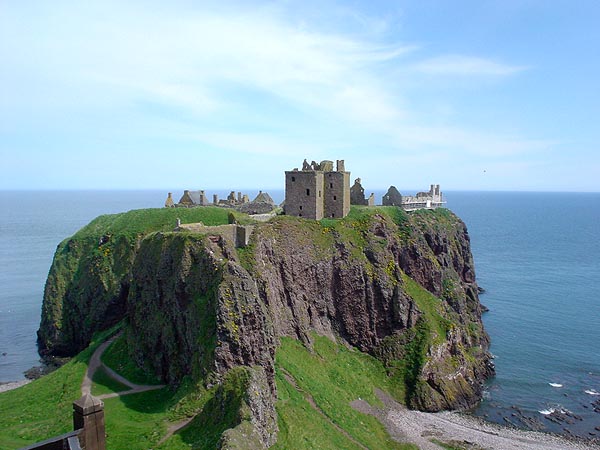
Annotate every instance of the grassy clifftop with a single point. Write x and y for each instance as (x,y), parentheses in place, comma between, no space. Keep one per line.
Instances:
(144,221)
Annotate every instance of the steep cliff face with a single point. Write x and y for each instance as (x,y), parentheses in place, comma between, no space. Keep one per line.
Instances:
(356,279)
(399,286)
(85,292)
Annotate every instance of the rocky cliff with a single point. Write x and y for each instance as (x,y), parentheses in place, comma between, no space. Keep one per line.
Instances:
(398,286)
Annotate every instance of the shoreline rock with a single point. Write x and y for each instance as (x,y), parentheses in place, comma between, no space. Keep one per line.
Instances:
(453,427)
(13,385)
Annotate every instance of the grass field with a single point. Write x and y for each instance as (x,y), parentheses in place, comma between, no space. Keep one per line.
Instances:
(333,376)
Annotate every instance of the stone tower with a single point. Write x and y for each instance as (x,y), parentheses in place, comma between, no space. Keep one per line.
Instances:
(318,191)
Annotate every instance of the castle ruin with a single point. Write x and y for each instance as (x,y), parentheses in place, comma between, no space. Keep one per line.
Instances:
(192,198)
(318,191)
(357,195)
(424,200)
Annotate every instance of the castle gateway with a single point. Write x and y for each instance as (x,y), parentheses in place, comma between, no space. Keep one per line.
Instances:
(318,191)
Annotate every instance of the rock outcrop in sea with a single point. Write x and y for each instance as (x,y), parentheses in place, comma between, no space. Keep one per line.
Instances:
(399,286)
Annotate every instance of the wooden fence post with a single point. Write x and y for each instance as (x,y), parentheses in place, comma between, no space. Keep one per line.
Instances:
(88,415)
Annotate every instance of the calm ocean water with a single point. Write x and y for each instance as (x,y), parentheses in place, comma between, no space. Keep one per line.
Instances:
(536,254)
(538,257)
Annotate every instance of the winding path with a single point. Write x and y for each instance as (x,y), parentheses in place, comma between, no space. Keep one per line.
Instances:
(96,363)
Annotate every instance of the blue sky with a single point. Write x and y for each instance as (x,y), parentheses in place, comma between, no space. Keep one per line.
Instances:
(473,95)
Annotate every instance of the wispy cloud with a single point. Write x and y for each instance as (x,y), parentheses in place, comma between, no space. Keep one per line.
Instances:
(468,142)
(260,144)
(230,71)
(466,65)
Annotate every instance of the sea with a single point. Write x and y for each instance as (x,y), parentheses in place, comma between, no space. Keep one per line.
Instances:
(537,255)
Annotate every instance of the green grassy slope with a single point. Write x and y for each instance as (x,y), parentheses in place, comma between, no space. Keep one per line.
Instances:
(330,376)
(43,408)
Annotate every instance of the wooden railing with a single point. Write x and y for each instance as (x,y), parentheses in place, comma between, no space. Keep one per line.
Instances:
(68,441)
(88,423)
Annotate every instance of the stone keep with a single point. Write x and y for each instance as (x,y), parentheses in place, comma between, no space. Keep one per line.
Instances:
(314,193)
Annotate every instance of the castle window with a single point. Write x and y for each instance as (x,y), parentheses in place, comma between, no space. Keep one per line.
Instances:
(308,192)
(300,207)
(319,194)
(293,178)
(335,197)
(330,185)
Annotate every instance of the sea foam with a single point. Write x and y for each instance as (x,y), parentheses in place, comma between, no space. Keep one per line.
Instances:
(556,385)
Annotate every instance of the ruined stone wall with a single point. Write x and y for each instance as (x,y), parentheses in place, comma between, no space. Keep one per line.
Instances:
(392,197)
(186,199)
(304,194)
(337,194)
(357,194)
(237,235)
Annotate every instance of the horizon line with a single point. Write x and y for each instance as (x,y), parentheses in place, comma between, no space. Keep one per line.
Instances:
(265,189)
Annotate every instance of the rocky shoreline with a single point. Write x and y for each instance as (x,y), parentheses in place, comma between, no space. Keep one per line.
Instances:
(13,385)
(427,430)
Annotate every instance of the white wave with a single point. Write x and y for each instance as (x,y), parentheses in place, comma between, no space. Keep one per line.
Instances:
(546,412)
(556,385)
(591,392)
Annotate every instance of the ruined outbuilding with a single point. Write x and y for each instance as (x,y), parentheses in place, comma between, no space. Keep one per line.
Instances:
(424,200)
(262,204)
(357,195)
(392,197)
(193,198)
(318,190)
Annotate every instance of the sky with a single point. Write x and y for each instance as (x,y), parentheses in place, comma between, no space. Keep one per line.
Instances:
(471,95)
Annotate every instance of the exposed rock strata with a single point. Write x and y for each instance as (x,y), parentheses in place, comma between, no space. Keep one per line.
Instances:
(197,307)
